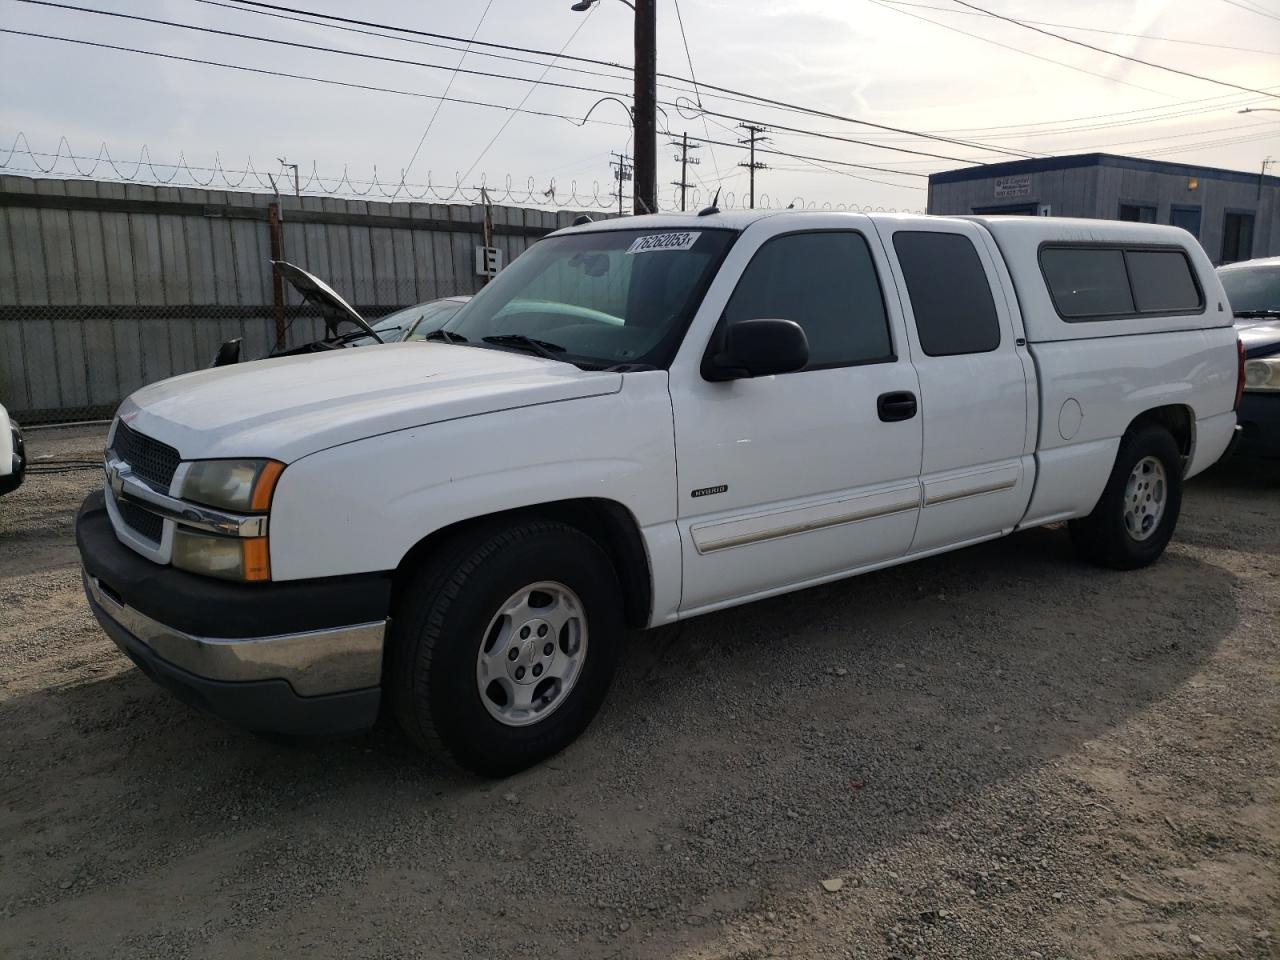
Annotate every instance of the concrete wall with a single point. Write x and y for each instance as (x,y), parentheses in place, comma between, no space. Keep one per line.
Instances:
(105,286)
(1098,191)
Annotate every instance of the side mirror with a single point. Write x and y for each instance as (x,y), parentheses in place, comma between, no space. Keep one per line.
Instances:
(228,353)
(758,348)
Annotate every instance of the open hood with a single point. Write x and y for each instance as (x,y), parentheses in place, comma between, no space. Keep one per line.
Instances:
(315,291)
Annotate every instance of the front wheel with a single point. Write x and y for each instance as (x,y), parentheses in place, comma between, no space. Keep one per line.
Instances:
(1138,510)
(503,646)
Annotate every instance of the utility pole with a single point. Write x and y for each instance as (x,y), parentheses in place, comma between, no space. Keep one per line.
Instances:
(646,107)
(753,137)
(622,174)
(1262,174)
(685,161)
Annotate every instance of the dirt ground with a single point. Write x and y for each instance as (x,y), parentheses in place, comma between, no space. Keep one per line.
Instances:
(997,753)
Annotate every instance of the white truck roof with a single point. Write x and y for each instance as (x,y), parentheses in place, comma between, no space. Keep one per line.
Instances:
(1019,241)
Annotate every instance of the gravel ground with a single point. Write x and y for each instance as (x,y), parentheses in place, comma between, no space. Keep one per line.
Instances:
(995,753)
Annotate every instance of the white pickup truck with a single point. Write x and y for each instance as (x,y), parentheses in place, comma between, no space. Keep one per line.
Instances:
(640,421)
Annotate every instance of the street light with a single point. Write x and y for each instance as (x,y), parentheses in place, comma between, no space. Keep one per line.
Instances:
(1259,110)
(645,97)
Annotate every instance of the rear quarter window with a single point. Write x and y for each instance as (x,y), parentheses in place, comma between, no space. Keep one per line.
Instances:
(1115,282)
(1087,282)
(1162,281)
(950,296)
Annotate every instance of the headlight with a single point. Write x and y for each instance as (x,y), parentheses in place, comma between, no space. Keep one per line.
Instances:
(244,486)
(231,558)
(1262,374)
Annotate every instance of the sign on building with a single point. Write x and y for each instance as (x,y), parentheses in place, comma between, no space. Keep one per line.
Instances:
(1008,188)
(488,261)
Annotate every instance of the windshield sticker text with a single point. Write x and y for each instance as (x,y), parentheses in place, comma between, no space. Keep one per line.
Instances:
(663,241)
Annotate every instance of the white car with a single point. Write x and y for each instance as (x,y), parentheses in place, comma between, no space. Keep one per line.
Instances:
(636,422)
(13,455)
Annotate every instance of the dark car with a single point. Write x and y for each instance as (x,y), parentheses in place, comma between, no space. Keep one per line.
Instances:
(344,326)
(1253,287)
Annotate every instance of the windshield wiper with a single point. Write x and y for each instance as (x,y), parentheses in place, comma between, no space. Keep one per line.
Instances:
(445,336)
(1257,313)
(541,347)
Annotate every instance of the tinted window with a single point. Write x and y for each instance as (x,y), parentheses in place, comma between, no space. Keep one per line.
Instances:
(1137,213)
(1162,281)
(1253,288)
(827,283)
(1087,281)
(1237,237)
(949,292)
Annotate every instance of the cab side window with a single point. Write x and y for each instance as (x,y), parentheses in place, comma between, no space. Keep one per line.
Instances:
(949,292)
(827,283)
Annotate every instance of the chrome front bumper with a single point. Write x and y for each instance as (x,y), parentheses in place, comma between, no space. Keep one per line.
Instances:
(313,663)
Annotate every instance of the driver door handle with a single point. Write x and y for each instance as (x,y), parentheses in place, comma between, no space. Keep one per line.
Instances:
(896,405)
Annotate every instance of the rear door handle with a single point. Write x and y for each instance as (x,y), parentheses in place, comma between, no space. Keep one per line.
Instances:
(896,405)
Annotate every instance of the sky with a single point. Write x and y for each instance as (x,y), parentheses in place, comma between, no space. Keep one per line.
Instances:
(931,67)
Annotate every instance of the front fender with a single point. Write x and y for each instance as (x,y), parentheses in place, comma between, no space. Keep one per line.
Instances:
(361,506)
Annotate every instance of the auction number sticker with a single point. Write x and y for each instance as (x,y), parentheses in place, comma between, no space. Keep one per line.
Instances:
(663,241)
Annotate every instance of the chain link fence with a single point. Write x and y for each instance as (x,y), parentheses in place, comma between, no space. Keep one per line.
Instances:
(63,364)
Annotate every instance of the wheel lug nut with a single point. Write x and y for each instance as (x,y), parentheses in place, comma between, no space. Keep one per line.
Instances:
(542,630)
(547,649)
(513,654)
(524,633)
(537,669)
(519,673)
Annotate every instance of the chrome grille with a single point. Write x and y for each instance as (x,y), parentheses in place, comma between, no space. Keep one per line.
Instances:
(142,522)
(151,460)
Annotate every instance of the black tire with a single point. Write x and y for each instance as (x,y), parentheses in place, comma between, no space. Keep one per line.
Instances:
(440,623)
(1102,537)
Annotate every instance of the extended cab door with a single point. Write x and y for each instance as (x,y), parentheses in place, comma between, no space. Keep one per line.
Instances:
(790,479)
(976,381)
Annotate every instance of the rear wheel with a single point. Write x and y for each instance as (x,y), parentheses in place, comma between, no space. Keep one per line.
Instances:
(1138,510)
(503,646)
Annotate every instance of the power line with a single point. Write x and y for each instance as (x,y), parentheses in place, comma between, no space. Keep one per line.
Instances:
(1072,26)
(262,71)
(1112,53)
(316,47)
(1252,9)
(528,93)
(715,165)
(800,156)
(1018,50)
(451,47)
(449,86)
(833,136)
(703,86)
(435,66)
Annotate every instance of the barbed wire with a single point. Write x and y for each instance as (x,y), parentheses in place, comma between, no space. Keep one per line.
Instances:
(66,163)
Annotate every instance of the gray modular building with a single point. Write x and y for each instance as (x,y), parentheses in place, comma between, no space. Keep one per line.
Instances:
(1232,213)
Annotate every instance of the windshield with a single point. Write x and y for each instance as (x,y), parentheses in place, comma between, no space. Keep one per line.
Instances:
(414,323)
(598,299)
(1252,289)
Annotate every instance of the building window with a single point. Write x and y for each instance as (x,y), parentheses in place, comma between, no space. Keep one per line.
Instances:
(1138,212)
(1237,237)
(949,292)
(1188,218)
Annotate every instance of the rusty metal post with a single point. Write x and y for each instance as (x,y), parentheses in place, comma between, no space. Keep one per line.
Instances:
(277,282)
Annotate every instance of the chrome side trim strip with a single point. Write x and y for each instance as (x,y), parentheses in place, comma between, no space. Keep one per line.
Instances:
(126,486)
(963,494)
(740,531)
(315,662)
